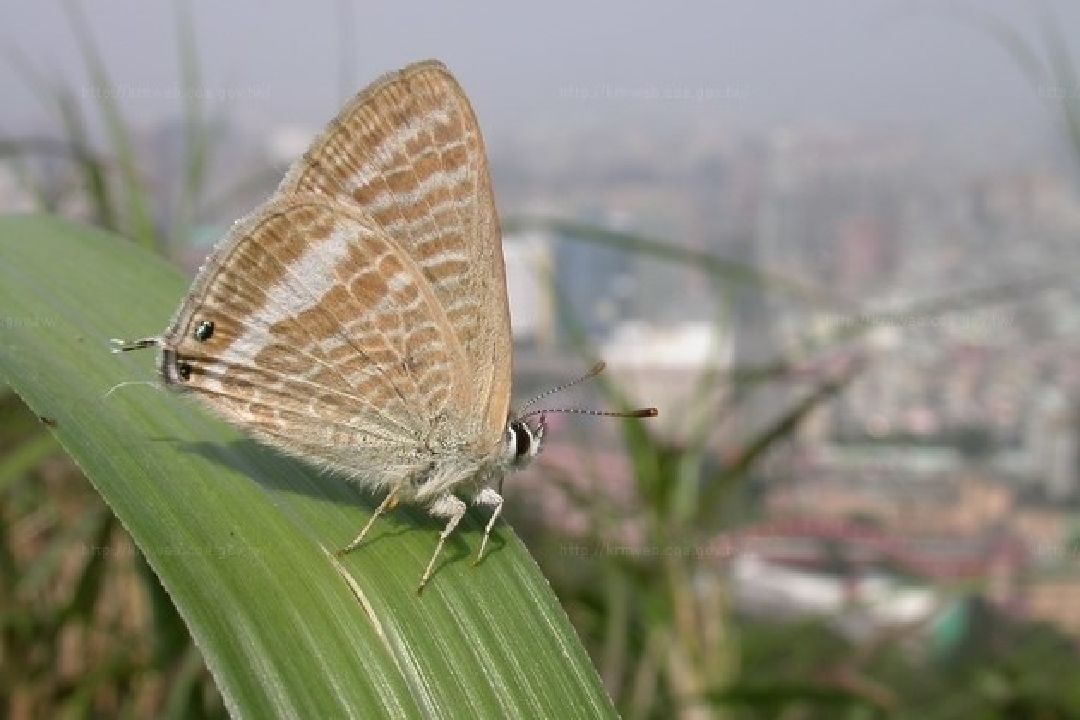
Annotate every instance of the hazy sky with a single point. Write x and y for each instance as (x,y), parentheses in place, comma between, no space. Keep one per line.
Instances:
(895,64)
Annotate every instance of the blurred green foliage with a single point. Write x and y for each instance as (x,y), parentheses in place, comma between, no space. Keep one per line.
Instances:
(85,628)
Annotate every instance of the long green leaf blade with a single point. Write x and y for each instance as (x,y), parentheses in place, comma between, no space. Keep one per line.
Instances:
(242,538)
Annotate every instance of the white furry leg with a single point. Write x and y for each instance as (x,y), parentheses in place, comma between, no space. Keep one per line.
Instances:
(387,504)
(490,498)
(449,507)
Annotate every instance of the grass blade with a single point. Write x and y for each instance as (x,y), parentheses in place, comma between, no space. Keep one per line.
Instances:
(140,222)
(241,537)
(196,135)
(720,268)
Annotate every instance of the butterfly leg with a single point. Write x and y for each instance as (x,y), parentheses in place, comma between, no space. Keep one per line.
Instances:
(387,504)
(488,497)
(449,507)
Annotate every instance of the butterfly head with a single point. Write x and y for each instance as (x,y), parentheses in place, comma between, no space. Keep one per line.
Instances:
(523,441)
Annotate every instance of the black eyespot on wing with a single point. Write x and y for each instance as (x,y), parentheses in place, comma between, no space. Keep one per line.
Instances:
(183,370)
(204,331)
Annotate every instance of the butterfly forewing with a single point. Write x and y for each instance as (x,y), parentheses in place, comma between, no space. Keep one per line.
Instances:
(326,339)
(408,151)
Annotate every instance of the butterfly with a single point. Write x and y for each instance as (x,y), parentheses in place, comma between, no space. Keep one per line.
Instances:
(359,318)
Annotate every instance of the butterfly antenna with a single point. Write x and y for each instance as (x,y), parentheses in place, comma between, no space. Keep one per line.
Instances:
(119,345)
(639,413)
(593,372)
(596,370)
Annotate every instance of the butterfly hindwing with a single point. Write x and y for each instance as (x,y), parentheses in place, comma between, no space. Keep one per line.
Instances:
(312,328)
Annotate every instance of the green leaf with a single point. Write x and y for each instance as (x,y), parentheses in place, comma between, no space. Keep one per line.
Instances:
(243,538)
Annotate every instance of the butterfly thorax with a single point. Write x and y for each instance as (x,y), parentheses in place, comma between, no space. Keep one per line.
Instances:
(457,470)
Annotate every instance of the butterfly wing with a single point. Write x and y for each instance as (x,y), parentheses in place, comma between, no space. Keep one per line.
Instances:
(313,329)
(408,151)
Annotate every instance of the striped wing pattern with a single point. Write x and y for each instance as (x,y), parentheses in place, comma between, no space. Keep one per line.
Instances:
(326,342)
(408,150)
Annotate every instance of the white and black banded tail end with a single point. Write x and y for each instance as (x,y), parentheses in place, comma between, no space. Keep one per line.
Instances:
(119,345)
(173,370)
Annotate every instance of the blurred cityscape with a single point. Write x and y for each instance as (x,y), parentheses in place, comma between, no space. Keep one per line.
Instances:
(953,458)
(948,468)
